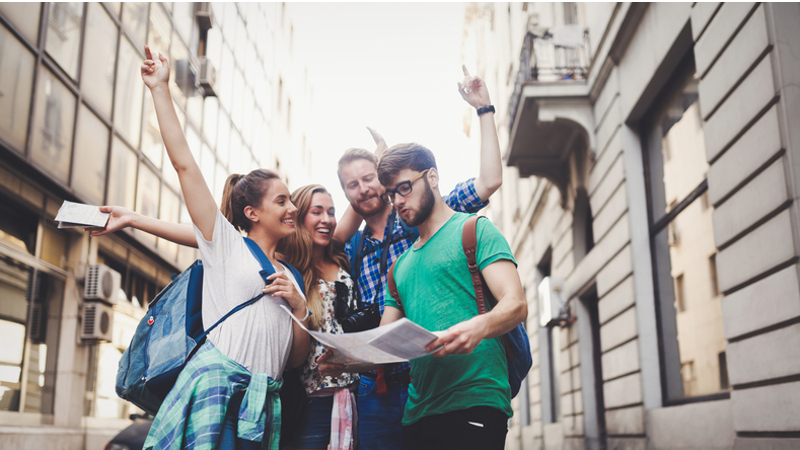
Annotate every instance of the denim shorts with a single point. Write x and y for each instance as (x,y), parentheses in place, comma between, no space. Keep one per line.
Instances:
(315,424)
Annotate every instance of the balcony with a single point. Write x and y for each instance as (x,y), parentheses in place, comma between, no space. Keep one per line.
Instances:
(549,111)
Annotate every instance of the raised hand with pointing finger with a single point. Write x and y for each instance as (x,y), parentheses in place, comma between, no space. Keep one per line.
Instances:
(473,89)
(155,71)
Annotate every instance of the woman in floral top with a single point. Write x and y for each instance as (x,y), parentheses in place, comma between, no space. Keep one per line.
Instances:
(329,413)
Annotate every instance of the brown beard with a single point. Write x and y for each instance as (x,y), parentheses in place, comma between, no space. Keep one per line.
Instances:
(425,207)
(369,212)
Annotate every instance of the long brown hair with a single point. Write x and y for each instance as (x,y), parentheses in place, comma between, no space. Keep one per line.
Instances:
(297,249)
(242,191)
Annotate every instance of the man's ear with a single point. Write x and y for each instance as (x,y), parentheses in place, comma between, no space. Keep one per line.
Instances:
(251,213)
(433,178)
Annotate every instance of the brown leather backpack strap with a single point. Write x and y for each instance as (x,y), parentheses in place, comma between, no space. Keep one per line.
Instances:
(469,240)
(392,286)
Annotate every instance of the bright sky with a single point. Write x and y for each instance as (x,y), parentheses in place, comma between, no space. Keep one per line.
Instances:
(390,66)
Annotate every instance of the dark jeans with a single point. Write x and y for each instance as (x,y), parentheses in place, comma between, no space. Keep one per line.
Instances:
(479,428)
(229,439)
(379,416)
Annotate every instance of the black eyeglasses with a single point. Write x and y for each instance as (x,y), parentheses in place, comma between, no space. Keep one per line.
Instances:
(403,188)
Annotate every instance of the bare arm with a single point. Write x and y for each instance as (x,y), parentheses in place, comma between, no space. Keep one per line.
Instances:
(351,220)
(511,309)
(199,201)
(123,218)
(490,177)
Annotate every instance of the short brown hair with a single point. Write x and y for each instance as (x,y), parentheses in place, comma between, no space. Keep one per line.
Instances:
(404,156)
(242,191)
(351,155)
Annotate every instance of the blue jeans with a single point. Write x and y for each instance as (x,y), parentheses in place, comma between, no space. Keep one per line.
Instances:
(315,424)
(379,417)
(229,438)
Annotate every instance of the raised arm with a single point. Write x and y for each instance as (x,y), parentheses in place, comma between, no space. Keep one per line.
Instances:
(351,220)
(198,197)
(120,218)
(511,309)
(474,91)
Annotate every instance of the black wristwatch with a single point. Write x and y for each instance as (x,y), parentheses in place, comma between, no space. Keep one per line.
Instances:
(485,109)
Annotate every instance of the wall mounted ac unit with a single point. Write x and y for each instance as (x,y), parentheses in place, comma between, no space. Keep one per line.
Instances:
(97,322)
(204,15)
(102,283)
(551,300)
(207,76)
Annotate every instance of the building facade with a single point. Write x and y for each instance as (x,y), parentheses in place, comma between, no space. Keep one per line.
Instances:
(77,124)
(653,159)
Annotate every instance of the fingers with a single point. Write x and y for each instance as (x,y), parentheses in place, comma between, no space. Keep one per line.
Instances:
(147,53)
(106,209)
(464,69)
(162,59)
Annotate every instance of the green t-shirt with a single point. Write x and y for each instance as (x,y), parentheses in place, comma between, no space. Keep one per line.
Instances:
(436,292)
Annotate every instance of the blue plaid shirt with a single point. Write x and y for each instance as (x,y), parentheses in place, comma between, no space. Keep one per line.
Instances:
(463,198)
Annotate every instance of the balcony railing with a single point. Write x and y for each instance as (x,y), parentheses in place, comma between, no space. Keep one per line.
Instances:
(559,54)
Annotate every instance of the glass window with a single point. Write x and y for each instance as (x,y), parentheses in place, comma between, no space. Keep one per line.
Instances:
(194,107)
(214,47)
(160,30)
(122,175)
(100,50)
(225,79)
(207,165)
(91,154)
(16,82)
(238,98)
(128,91)
(229,18)
(152,146)
(134,21)
(241,41)
(219,183)
(148,193)
(179,79)
(238,161)
(24,16)
(261,142)
(51,143)
(64,35)
(682,240)
(170,211)
(195,143)
(29,330)
(114,7)
(224,138)
(183,16)
(210,111)
(249,117)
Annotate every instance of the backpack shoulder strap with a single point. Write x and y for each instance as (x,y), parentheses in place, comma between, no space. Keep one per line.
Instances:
(297,276)
(393,286)
(469,240)
(267,268)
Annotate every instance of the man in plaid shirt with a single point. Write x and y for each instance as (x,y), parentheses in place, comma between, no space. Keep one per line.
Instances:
(381,399)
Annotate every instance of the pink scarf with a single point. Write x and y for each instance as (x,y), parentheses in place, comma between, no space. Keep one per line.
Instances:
(343,420)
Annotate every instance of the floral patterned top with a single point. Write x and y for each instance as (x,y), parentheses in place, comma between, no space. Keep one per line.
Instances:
(312,379)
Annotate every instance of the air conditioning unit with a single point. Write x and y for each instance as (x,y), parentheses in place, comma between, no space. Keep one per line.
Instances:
(204,15)
(97,322)
(551,301)
(102,283)
(207,77)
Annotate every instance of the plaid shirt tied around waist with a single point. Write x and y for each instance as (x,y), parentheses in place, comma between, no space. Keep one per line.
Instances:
(192,415)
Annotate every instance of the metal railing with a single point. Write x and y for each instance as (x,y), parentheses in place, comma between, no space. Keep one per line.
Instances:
(562,54)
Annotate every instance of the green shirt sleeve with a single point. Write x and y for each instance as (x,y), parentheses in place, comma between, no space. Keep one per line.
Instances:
(492,245)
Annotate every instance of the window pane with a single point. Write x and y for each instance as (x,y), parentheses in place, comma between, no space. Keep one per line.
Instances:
(147,195)
(225,78)
(179,79)
(211,108)
(114,7)
(16,82)
(122,175)
(195,143)
(64,35)
(183,16)
(134,21)
(194,107)
(24,16)
(247,120)
(151,135)
(160,30)
(91,153)
(214,46)
(238,160)
(219,183)
(238,99)
(51,145)
(128,91)
(224,138)
(170,211)
(99,50)
(207,165)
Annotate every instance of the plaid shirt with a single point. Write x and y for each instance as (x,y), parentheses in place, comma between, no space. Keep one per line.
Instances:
(192,414)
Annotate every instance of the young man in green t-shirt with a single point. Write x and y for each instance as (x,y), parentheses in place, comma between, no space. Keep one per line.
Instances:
(459,397)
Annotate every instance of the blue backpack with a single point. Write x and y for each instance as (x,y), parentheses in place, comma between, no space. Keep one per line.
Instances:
(516,343)
(171,332)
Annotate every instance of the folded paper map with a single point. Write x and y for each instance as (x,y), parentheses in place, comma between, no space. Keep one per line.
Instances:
(78,215)
(399,341)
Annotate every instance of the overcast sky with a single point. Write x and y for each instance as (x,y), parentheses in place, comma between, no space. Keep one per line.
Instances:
(390,66)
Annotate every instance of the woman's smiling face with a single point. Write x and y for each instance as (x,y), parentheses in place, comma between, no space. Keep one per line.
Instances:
(320,221)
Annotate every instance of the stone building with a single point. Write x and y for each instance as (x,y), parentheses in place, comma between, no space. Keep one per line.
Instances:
(653,155)
(77,124)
